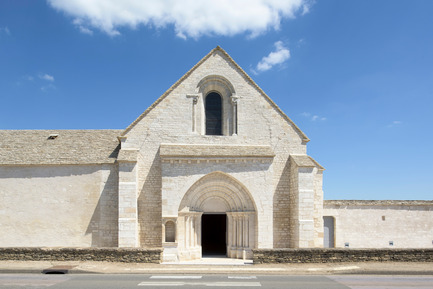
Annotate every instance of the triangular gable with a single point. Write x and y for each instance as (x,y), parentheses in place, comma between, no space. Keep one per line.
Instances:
(249,79)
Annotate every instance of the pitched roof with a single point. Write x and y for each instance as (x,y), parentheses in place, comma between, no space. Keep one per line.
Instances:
(46,147)
(306,161)
(249,79)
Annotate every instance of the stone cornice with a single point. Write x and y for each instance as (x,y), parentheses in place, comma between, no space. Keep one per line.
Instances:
(215,153)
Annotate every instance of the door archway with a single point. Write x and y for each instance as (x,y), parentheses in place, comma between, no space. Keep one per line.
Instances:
(217,193)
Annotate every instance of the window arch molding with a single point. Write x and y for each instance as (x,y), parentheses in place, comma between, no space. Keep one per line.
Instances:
(218,84)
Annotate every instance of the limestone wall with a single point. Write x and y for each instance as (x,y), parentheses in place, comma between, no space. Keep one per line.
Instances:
(341,255)
(176,118)
(58,205)
(374,224)
(127,255)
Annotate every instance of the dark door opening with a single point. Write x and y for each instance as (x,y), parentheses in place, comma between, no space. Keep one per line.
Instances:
(213,234)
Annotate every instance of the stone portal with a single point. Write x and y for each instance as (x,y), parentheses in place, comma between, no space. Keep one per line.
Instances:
(217,216)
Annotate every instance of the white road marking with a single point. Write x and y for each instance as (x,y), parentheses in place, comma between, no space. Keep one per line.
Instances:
(174,277)
(214,269)
(148,283)
(31,280)
(207,284)
(341,268)
(242,277)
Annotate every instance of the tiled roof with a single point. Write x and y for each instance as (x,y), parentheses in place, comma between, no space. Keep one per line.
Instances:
(306,161)
(39,147)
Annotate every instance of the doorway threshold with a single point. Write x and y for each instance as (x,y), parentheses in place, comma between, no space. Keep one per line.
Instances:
(214,260)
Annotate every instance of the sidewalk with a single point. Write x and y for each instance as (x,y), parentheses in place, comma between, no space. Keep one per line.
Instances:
(81,267)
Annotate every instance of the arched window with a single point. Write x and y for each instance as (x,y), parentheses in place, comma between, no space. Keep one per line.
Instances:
(213,112)
(170,231)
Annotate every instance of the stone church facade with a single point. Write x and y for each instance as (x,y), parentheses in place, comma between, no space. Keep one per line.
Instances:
(212,167)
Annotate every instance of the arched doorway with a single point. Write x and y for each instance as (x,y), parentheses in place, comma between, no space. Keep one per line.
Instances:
(217,215)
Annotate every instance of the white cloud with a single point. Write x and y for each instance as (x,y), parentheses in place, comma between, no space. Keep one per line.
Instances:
(42,80)
(306,7)
(47,77)
(190,18)
(50,86)
(83,29)
(313,117)
(279,56)
(5,30)
(395,123)
(316,117)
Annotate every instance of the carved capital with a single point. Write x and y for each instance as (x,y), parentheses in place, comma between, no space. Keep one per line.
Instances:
(194,97)
(234,98)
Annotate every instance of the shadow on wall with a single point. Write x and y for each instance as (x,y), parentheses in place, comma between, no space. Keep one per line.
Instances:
(281,202)
(104,224)
(149,207)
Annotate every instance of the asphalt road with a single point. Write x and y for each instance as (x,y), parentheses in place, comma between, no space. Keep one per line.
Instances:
(118,281)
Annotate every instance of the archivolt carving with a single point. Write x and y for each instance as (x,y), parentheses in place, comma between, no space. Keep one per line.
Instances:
(218,185)
(215,83)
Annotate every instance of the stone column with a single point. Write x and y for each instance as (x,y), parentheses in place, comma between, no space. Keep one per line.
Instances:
(234,98)
(241,229)
(189,237)
(195,98)
(128,215)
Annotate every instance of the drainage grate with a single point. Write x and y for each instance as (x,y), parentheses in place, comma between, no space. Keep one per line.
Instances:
(59,269)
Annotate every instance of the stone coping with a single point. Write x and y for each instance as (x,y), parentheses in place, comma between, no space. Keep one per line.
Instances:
(377,203)
(127,255)
(336,255)
(306,161)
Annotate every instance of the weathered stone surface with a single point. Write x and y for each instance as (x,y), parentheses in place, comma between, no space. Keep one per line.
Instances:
(322,255)
(127,255)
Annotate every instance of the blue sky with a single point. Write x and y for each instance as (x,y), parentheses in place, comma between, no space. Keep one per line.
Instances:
(355,76)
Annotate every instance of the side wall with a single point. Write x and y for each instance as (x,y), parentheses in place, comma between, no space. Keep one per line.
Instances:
(374,224)
(51,206)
